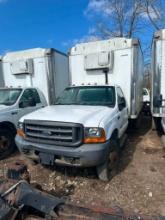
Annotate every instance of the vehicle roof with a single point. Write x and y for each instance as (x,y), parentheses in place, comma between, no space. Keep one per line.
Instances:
(29,54)
(103,45)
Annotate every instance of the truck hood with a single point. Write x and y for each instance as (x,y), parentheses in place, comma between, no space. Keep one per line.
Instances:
(89,116)
(4,108)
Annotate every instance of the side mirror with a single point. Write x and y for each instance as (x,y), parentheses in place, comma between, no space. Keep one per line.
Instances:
(122,104)
(157,102)
(27,103)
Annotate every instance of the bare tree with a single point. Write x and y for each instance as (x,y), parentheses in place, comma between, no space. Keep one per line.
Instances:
(128,18)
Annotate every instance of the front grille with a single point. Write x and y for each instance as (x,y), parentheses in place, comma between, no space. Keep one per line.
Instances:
(53,133)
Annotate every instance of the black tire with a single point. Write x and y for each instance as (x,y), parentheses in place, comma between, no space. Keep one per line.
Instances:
(7,143)
(108,169)
(156,124)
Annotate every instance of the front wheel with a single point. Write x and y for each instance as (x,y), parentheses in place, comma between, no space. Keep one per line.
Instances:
(7,143)
(108,169)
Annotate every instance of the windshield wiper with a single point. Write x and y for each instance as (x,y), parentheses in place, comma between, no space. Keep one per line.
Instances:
(65,103)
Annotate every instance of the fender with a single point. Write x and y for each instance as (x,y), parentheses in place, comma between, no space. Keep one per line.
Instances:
(110,124)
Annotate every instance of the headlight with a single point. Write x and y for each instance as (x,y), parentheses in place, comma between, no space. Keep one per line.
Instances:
(20,130)
(94,135)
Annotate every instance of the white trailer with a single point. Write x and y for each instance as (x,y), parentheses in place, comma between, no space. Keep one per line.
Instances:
(118,61)
(29,80)
(158,80)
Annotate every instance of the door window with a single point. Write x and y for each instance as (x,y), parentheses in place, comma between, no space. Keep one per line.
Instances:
(120,94)
(120,97)
(30,94)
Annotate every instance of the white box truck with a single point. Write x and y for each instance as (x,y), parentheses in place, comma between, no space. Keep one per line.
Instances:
(29,80)
(86,126)
(158,80)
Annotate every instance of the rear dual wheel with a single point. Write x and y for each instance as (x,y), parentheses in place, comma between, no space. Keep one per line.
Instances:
(108,169)
(7,143)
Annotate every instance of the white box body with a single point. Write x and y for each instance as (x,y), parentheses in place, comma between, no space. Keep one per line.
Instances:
(121,58)
(46,69)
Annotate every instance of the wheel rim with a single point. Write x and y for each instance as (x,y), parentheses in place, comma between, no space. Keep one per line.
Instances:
(4,143)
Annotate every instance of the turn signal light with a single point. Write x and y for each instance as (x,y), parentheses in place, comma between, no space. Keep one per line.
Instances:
(21,133)
(99,139)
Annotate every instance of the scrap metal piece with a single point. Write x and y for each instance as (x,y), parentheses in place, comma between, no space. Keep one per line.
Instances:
(17,171)
(6,212)
(31,197)
(19,199)
(23,194)
(72,212)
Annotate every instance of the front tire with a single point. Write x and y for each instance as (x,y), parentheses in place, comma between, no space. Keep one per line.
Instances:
(108,169)
(7,144)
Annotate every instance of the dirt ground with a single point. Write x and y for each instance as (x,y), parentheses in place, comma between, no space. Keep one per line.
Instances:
(139,185)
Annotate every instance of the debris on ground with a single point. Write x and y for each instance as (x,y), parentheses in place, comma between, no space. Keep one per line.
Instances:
(140,172)
(21,200)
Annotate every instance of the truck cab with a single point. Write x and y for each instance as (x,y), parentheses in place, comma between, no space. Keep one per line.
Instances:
(146,101)
(14,103)
(84,128)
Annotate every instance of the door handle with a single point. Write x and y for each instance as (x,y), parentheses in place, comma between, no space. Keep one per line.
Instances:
(118,117)
(14,113)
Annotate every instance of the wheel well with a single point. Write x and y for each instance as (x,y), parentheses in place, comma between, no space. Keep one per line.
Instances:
(8,125)
(114,134)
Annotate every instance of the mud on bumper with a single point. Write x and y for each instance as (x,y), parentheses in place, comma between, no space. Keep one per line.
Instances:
(86,155)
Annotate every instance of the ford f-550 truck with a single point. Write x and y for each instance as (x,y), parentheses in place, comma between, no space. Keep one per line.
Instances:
(86,126)
(29,80)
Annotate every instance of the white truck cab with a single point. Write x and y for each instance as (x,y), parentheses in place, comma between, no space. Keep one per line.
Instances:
(15,103)
(146,95)
(29,80)
(146,101)
(86,126)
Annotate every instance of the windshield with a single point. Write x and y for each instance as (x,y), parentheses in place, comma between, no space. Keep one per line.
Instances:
(9,96)
(92,95)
